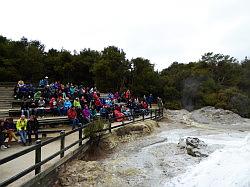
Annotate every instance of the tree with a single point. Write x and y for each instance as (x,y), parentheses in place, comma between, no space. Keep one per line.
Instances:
(111,69)
(144,79)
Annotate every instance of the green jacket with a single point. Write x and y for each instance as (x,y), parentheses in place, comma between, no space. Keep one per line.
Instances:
(21,124)
(37,95)
(77,104)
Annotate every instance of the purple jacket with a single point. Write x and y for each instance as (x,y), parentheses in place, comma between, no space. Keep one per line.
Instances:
(86,113)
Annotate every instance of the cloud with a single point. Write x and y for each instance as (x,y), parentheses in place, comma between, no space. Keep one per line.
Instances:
(161,30)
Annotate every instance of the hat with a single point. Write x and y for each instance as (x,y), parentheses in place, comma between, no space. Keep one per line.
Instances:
(46,77)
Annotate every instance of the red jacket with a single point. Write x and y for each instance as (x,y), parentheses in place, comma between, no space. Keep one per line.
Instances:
(72,113)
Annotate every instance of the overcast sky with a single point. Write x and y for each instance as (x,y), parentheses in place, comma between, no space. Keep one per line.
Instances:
(162,31)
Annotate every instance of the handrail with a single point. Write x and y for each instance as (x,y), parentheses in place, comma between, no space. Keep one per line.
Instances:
(37,148)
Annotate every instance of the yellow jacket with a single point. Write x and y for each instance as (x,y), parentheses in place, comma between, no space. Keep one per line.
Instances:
(21,124)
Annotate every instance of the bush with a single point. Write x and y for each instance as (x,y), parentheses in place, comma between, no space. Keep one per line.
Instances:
(173,105)
(93,127)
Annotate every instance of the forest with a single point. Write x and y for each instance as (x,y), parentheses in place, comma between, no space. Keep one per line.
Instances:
(215,80)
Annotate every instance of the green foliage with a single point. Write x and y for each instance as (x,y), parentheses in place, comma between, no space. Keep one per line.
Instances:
(143,79)
(92,129)
(216,79)
(173,105)
(111,70)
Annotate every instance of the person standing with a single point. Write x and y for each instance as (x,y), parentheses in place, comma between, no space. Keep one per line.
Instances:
(72,115)
(159,103)
(21,126)
(150,100)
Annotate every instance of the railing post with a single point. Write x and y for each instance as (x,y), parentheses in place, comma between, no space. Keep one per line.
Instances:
(155,114)
(62,143)
(151,113)
(109,125)
(38,156)
(133,116)
(143,116)
(80,135)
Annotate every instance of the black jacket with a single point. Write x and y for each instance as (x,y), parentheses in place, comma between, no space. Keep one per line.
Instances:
(33,125)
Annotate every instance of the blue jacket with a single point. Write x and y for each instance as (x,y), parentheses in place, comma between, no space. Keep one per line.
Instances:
(67,104)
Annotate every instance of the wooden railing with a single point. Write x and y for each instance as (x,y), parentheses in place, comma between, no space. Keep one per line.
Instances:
(155,114)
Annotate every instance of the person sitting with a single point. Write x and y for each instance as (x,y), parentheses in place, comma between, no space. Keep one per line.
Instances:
(118,115)
(108,102)
(93,112)
(60,105)
(41,107)
(37,95)
(10,128)
(33,107)
(43,82)
(72,116)
(126,112)
(98,104)
(67,104)
(77,103)
(104,112)
(144,107)
(2,135)
(32,126)
(83,101)
(53,106)
(86,114)
(21,126)
(25,108)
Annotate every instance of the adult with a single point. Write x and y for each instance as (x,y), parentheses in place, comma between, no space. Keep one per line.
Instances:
(93,112)
(41,107)
(126,112)
(32,127)
(118,115)
(104,112)
(25,108)
(53,106)
(60,105)
(10,128)
(33,107)
(72,116)
(127,95)
(77,103)
(86,114)
(2,135)
(67,105)
(159,103)
(44,82)
(37,95)
(21,126)
(150,100)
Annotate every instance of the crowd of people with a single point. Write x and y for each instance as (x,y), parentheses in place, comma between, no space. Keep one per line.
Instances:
(81,104)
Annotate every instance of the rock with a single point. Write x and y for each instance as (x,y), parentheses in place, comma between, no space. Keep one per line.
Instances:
(194,146)
(195,142)
(213,116)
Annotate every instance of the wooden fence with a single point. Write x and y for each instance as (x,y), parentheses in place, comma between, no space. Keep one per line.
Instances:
(155,114)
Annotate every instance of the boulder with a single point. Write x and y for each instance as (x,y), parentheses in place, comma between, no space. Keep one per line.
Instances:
(194,146)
